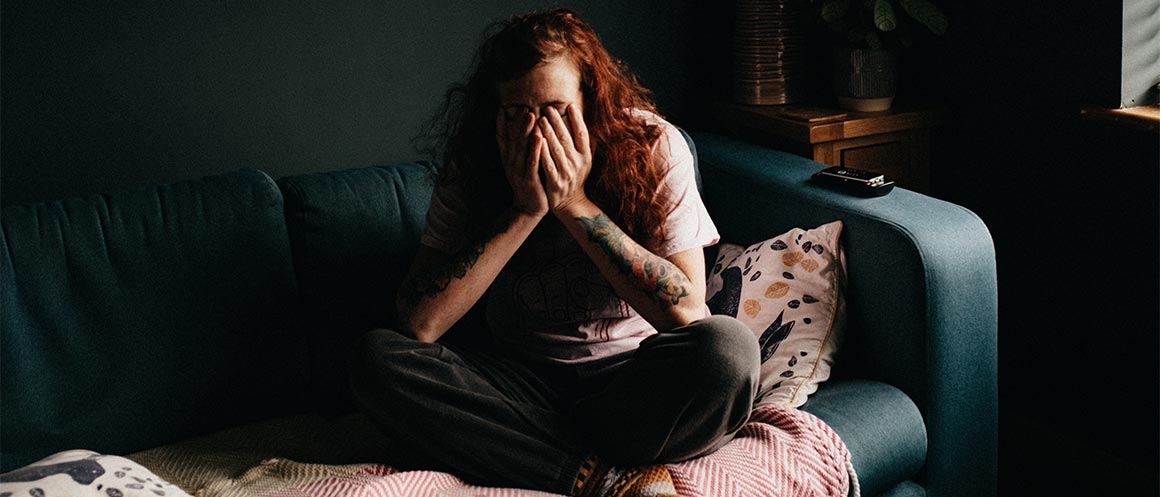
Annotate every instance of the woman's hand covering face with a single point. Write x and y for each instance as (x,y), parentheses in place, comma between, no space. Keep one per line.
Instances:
(565,156)
(521,151)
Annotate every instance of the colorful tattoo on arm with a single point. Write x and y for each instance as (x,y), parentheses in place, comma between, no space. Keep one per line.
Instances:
(667,282)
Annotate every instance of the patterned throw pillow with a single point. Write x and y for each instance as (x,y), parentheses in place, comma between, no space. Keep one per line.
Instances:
(790,291)
(84,473)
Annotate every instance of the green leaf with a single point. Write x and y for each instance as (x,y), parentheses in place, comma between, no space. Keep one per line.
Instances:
(927,14)
(873,40)
(884,18)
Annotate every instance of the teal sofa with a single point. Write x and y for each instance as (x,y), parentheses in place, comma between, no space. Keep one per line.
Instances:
(132,320)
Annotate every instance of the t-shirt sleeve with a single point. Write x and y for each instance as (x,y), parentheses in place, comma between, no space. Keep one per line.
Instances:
(688,223)
(446,219)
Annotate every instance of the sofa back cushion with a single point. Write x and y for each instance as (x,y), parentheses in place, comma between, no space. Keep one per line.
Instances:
(353,235)
(135,319)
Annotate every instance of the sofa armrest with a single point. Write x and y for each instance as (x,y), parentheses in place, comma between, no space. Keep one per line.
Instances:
(921,297)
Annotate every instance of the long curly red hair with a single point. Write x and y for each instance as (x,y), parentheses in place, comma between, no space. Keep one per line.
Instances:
(624,181)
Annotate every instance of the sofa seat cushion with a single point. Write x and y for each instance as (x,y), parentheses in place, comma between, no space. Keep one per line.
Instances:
(881,426)
(905,489)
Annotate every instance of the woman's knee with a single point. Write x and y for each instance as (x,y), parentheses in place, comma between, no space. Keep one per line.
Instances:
(374,359)
(728,351)
(373,346)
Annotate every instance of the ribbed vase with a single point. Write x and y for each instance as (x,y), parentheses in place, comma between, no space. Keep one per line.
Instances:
(864,79)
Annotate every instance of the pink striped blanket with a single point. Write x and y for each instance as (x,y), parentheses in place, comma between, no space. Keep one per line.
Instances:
(781,452)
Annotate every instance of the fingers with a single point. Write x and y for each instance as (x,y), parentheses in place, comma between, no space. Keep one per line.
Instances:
(579,129)
(561,130)
(528,123)
(556,150)
(533,161)
(546,160)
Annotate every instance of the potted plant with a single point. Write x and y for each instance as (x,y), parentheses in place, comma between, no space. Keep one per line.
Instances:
(869,35)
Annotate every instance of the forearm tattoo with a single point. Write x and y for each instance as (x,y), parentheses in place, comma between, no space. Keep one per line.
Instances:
(438,278)
(667,282)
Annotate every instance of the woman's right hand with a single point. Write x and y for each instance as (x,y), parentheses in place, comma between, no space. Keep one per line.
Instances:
(519,151)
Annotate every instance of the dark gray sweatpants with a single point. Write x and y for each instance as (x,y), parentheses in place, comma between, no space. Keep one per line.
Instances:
(494,420)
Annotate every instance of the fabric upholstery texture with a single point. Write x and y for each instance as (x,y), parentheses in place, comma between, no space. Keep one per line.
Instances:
(353,235)
(134,319)
(881,426)
(905,489)
(922,301)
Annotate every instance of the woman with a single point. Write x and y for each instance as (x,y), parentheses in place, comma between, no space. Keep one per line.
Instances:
(572,206)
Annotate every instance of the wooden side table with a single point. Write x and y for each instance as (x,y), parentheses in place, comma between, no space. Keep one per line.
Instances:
(895,142)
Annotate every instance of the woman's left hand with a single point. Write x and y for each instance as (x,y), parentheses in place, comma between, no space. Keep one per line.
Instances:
(567,159)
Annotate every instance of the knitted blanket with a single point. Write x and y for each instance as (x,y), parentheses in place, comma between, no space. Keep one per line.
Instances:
(781,452)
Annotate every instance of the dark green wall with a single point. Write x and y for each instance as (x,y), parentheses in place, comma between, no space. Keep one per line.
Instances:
(136,93)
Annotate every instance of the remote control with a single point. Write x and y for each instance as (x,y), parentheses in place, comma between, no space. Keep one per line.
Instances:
(856,181)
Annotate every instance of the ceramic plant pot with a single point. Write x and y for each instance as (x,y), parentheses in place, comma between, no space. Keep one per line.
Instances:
(864,79)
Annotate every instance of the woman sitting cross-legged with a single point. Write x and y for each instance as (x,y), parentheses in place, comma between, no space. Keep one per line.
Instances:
(572,206)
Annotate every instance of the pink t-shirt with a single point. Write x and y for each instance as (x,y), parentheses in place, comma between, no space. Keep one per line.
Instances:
(550,302)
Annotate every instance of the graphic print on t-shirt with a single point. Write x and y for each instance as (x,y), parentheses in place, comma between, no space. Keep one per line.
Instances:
(566,290)
(551,284)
